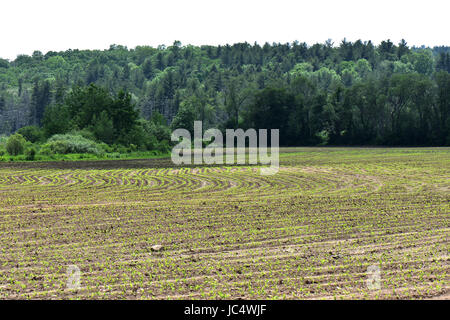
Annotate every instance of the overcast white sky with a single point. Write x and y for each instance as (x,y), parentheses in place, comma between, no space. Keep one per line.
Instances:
(28,25)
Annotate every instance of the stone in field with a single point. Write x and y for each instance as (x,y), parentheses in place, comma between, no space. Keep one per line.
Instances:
(157,247)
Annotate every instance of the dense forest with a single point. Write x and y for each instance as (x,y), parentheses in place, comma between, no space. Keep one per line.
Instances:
(353,93)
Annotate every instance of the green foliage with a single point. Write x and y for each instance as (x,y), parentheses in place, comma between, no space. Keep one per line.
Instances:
(363,68)
(442,121)
(68,143)
(103,129)
(15,144)
(56,120)
(123,113)
(401,67)
(86,103)
(94,107)
(351,92)
(302,68)
(186,115)
(30,154)
(423,61)
(3,141)
(323,137)
(32,133)
(4,63)
(56,62)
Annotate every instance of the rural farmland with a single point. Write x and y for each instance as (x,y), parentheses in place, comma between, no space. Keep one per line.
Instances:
(146,229)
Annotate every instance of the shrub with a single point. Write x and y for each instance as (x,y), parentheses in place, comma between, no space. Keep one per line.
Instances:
(68,143)
(15,144)
(119,148)
(85,133)
(154,132)
(136,137)
(3,141)
(163,146)
(30,154)
(32,133)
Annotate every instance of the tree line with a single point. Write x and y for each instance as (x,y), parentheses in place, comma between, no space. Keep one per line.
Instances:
(353,93)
